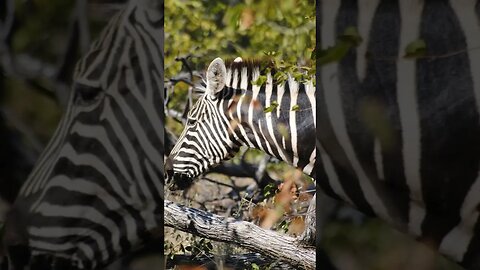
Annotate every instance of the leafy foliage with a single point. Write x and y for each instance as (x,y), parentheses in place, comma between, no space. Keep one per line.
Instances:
(283,30)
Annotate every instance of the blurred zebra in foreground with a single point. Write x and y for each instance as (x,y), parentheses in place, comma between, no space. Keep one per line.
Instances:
(399,137)
(96,193)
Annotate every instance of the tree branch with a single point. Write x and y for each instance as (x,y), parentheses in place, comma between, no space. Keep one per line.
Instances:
(244,234)
(245,169)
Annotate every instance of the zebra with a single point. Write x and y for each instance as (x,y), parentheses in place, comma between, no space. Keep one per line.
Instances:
(236,110)
(96,193)
(276,117)
(399,137)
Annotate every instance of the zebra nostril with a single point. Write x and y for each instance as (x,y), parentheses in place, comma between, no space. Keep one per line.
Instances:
(176,180)
(183,181)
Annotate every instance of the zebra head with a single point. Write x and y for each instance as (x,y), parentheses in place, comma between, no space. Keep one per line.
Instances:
(207,138)
(95,193)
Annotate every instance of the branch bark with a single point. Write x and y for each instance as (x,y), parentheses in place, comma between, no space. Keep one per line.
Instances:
(245,234)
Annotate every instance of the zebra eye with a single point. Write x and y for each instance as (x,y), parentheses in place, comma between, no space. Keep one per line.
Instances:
(85,95)
(191,121)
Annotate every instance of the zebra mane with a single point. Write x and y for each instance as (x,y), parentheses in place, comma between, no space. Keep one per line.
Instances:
(262,65)
(251,64)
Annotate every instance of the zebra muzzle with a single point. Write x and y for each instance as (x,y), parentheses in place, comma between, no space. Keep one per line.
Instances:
(181,181)
(176,181)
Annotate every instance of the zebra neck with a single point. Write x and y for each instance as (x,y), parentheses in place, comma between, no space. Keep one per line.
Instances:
(266,121)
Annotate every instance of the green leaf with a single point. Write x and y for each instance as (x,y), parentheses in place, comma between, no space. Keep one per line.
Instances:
(298,76)
(351,36)
(295,107)
(349,39)
(280,77)
(333,54)
(272,107)
(260,81)
(415,49)
(270,53)
(255,266)
(269,189)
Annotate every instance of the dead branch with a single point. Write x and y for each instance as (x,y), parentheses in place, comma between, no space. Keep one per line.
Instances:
(245,234)
(246,169)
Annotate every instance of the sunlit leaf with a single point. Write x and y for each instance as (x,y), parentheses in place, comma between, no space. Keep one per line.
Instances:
(272,107)
(333,54)
(351,36)
(270,53)
(416,48)
(260,80)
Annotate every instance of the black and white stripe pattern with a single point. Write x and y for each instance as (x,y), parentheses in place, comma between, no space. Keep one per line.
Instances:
(400,138)
(231,113)
(97,190)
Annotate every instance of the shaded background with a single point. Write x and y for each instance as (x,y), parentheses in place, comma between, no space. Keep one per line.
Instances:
(40,42)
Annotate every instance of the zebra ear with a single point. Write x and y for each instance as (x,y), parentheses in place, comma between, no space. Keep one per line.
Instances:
(216,76)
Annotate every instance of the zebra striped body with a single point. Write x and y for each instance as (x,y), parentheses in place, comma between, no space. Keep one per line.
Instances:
(96,192)
(235,112)
(399,138)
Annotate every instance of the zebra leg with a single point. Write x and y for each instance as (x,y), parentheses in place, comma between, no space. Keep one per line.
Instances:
(307,238)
